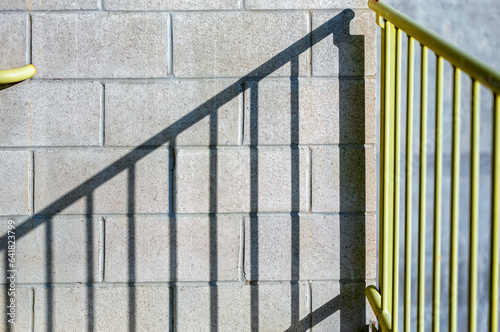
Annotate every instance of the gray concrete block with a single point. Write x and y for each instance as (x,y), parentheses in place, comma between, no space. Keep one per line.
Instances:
(241,180)
(102,181)
(196,304)
(152,249)
(309,247)
(69,252)
(140,308)
(280,111)
(12,39)
(15,194)
(50,114)
(304,4)
(136,112)
(352,51)
(343,179)
(91,45)
(171,5)
(266,307)
(23,308)
(49,5)
(234,44)
(340,307)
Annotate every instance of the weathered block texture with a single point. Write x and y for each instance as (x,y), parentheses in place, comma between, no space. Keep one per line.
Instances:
(340,307)
(263,307)
(23,310)
(350,50)
(343,179)
(99,181)
(175,112)
(241,180)
(15,193)
(303,247)
(102,308)
(51,114)
(161,249)
(60,249)
(189,165)
(304,4)
(49,5)
(234,44)
(12,39)
(171,5)
(92,45)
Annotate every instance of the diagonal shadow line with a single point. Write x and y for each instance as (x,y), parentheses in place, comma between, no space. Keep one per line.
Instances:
(169,133)
(317,316)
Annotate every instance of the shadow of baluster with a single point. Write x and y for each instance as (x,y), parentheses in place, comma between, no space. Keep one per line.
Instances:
(254,205)
(295,192)
(214,312)
(131,248)
(90,261)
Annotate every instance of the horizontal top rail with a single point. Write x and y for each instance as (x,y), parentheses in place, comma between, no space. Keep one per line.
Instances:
(458,58)
(17,74)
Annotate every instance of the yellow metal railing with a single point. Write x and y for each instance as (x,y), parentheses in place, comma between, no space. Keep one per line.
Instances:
(384,299)
(17,75)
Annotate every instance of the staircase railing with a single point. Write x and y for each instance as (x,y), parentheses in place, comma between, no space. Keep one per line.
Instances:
(384,299)
(17,75)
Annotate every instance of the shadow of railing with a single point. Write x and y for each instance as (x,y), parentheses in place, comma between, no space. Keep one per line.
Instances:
(352,192)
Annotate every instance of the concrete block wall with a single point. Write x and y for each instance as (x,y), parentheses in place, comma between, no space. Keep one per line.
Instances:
(189,165)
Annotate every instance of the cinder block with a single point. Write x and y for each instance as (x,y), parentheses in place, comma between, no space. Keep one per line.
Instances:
(304,4)
(176,112)
(50,113)
(23,308)
(263,307)
(140,308)
(241,180)
(171,5)
(15,195)
(61,249)
(312,247)
(344,43)
(49,5)
(101,181)
(235,44)
(153,249)
(196,305)
(92,45)
(343,179)
(13,39)
(340,307)
(284,111)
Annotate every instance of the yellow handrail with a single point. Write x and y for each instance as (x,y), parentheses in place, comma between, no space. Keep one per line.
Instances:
(467,63)
(17,74)
(384,300)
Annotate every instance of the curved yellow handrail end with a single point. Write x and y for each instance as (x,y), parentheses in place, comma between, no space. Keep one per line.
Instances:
(17,74)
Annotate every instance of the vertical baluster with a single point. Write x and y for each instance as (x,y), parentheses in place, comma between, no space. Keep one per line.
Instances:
(495,217)
(455,186)
(474,191)
(421,200)
(386,156)
(408,185)
(438,160)
(397,148)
